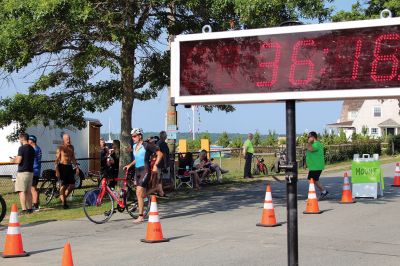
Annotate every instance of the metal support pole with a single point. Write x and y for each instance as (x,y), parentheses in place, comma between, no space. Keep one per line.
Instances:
(291,184)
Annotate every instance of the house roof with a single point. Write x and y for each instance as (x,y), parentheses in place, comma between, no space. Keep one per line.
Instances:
(350,106)
(345,124)
(389,123)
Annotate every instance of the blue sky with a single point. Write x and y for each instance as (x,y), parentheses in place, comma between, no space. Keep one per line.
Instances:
(150,115)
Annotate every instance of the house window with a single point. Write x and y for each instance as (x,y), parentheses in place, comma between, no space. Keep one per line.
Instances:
(377,111)
(352,115)
(374,131)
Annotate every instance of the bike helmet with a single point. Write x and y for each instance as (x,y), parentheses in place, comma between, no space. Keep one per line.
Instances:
(33,138)
(137,131)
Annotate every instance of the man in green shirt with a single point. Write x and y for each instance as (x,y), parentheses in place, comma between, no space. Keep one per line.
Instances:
(315,161)
(248,151)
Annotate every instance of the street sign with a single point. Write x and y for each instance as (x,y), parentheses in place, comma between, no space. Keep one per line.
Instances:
(172,132)
(332,61)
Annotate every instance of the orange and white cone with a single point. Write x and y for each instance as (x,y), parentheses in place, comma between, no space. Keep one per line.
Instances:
(347,197)
(268,218)
(312,201)
(67,256)
(154,231)
(13,246)
(396,179)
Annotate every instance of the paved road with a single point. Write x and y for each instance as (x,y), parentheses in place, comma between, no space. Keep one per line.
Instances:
(219,229)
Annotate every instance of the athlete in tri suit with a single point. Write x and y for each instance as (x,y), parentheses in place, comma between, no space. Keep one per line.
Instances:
(142,153)
(65,158)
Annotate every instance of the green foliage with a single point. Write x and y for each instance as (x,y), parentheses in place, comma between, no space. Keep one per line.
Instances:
(344,152)
(302,140)
(237,142)
(371,9)
(223,139)
(271,139)
(194,145)
(206,135)
(257,139)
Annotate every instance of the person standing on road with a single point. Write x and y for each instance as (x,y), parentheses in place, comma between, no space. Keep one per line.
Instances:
(315,161)
(23,183)
(142,153)
(65,157)
(248,151)
(37,165)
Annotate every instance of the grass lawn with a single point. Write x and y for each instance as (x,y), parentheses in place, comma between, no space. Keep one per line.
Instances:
(231,180)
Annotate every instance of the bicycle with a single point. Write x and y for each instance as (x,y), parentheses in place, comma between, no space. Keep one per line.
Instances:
(98,203)
(260,166)
(3,208)
(50,187)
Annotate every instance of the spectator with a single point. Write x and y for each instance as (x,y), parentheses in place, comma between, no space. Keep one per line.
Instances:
(113,163)
(65,158)
(23,183)
(37,164)
(248,151)
(186,164)
(203,162)
(103,156)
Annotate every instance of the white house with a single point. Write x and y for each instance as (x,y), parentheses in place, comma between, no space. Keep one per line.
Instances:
(377,117)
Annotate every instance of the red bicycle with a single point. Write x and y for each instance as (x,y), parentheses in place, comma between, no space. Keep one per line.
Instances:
(99,203)
(259,166)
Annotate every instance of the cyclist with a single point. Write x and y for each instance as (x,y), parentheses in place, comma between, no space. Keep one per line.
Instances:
(37,164)
(142,155)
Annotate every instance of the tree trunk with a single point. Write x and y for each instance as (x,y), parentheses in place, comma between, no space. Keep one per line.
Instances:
(127,78)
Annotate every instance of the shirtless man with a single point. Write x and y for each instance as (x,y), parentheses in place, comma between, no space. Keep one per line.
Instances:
(65,157)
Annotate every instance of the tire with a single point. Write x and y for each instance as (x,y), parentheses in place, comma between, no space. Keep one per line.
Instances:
(3,208)
(131,204)
(256,171)
(47,191)
(95,212)
(264,169)
(78,179)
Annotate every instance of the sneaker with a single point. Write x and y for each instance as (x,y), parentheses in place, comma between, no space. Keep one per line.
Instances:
(29,211)
(323,195)
(223,171)
(22,212)
(65,206)
(35,208)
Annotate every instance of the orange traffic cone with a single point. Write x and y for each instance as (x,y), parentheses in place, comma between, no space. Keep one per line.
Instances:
(13,245)
(396,180)
(347,197)
(268,216)
(154,231)
(312,201)
(67,256)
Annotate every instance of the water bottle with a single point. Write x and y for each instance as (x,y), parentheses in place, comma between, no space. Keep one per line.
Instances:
(187,168)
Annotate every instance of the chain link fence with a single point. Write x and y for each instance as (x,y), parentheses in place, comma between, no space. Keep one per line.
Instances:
(8,173)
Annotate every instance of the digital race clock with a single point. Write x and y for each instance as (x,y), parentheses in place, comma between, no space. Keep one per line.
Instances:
(309,62)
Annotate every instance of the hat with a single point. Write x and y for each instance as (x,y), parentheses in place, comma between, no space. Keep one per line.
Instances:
(33,138)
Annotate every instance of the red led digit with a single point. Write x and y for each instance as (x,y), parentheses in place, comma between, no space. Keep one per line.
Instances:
(273,64)
(384,58)
(356,63)
(304,62)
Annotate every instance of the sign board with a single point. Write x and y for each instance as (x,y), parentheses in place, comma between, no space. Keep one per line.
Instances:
(172,131)
(366,172)
(332,61)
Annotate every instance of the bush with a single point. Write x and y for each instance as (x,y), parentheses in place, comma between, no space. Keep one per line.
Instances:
(344,152)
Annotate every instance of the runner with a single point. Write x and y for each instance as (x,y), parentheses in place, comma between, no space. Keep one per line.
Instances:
(37,164)
(65,157)
(142,152)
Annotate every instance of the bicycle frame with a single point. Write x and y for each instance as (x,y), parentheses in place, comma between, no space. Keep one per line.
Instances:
(105,188)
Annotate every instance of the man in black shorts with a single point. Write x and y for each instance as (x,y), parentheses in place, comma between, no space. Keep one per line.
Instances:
(315,161)
(65,157)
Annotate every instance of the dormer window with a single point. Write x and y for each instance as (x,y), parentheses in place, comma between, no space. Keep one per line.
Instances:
(377,111)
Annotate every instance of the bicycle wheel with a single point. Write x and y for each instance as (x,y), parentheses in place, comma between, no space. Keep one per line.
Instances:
(98,211)
(264,169)
(131,204)
(47,191)
(3,208)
